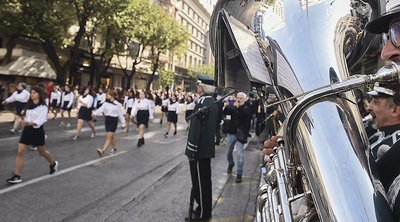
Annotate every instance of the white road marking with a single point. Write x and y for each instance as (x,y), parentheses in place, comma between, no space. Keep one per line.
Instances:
(61,172)
(10,138)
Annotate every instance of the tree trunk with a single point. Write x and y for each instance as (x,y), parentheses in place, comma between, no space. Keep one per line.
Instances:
(155,68)
(130,76)
(92,69)
(75,53)
(48,47)
(12,42)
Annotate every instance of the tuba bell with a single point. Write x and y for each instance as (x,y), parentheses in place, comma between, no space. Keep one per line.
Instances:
(306,52)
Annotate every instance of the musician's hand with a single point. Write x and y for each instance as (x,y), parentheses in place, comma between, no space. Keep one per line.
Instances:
(270,144)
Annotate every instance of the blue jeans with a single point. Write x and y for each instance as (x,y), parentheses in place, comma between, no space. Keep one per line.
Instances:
(240,156)
(230,144)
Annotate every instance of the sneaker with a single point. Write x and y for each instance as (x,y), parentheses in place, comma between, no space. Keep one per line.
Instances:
(126,130)
(68,125)
(12,131)
(54,167)
(33,148)
(238,178)
(112,151)
(75,138)
(230,167)
(14,179)
(93,135)
(100,152)
(20,130)
(62,124)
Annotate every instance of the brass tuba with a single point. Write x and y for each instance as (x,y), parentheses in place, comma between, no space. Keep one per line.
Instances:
(302,51)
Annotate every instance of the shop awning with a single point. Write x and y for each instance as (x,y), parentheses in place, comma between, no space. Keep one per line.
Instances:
(29,66)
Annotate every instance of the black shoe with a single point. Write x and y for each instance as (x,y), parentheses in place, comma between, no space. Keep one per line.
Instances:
(160,121)
(174,133)
(238,178)
(142,141)
(14,179)
(197,218)
(230,167)
(54,167)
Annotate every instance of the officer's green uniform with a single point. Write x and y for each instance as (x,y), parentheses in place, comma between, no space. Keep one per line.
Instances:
(200,146)
(203,125)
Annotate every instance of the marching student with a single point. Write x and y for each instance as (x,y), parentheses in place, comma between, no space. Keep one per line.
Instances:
(33,133)
(20,97)
(55,99)
(164,106)
(128,104)
(67,100)
(85,106)
(143,111)
(112,110)
(190,104)
(173,109)
(101,97)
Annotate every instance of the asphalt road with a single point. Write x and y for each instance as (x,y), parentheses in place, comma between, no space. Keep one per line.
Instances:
(150,183)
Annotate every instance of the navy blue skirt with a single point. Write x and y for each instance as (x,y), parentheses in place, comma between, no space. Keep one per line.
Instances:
(172,117)
(19,107)
(32,136)
(65,106)
(85,114)
(111,123)
(142,117)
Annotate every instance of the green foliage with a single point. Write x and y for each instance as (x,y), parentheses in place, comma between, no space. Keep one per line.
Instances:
(165,77)
(204,70)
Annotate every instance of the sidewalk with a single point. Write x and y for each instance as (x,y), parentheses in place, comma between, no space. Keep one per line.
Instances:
(237,201)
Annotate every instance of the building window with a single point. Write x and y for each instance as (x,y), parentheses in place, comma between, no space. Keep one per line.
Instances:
(190,61)
(195,61)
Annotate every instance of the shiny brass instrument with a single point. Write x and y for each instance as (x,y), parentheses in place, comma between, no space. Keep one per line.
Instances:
(302,52)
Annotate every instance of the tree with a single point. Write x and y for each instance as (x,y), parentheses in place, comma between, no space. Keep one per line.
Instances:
(11,26)
(105,25)
(52,23)
(165,77)
(204,70)
(136,25)
(167,35)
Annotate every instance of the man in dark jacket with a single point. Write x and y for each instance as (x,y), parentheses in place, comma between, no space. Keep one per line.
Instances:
(385,109)
(200,148)
(230,129)
(243,117)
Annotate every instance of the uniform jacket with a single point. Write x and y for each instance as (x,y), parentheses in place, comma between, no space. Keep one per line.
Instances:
(200,143)
(385,148)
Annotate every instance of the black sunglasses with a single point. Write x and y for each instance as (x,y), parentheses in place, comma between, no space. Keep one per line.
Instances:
(393,34)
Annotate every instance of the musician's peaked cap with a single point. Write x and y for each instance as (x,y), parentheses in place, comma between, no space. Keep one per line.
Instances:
(381,23)
(387,91)
(208,89)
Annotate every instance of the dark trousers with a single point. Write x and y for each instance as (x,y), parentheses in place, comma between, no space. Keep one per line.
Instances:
(200,171)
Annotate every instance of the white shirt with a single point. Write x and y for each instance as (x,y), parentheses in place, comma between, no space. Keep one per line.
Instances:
(128,102)
(173,106)
(86,100)
(190,106)
(165,102)
(37,115)
(55,95)
(142,104)
(113,109)
(67,98)
(101,98)
(21,97)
